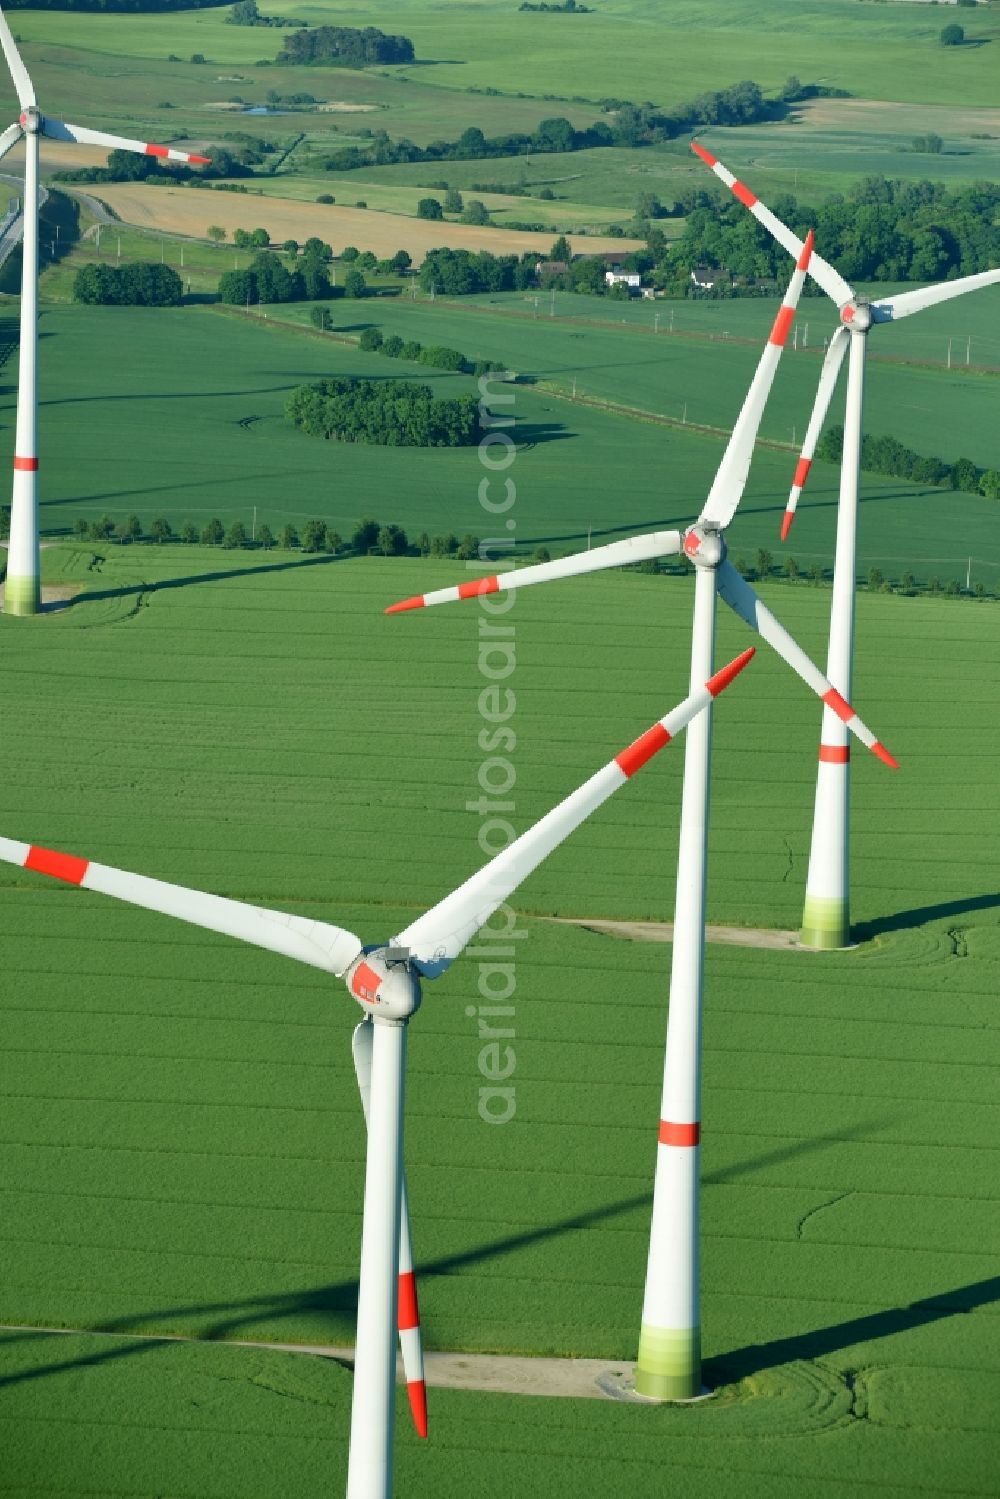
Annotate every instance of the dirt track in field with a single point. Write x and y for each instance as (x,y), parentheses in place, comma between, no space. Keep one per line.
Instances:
(191,210)
(663,931)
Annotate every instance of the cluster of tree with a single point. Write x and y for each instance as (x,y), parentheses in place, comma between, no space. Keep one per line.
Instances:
(456,272)
(245,13)
(345,46)
(436,356)
(139,284)
(627,125)
(883,230)
(387,413)
(886,455)
(473,212)
(930,145)
(268,279)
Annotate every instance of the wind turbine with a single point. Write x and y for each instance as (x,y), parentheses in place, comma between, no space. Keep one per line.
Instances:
(826,921)
(22,590)
(385,980)
(669,1362)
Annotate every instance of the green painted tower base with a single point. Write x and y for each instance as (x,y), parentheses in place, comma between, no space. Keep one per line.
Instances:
(22,596)
(826,923)
(669,1364)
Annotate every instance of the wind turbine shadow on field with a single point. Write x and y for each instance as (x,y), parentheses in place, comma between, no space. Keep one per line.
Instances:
(93,595)
(237,1319)
(899,921)
(754,1358)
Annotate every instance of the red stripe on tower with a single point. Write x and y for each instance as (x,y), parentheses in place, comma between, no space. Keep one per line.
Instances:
(679,1134)
(157,151)
(782,326)
(802,472)
(59,866)
(407,1316)
(27,465)
(642,749)
(839,704)
(835,754)
(744,194)
(480,585)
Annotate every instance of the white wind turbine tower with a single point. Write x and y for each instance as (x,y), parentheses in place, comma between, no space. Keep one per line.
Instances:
(669,1362)
(826,920)
(22,590)
(385,981)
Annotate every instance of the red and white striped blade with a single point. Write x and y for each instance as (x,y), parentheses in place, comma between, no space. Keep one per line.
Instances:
(743,601)
(824,395)
(615,554)
(890,309)
(60,130)
(10,138)
(22,83)
(731,477)
(436,938)
(407,1311)
(820,270)
(314,942)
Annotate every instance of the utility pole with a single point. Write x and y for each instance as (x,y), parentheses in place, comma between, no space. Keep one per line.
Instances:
(968,577)
(949,353)
(805,336)
(119,249)
(98,238)
(253,525)
(656,322)
(968,343)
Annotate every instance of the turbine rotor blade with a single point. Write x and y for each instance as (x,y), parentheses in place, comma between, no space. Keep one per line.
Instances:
(407,1311)
(890,309)
(615,554)
(315,942)
(731,476)
(821,271)
(435,939)
(59,130)
(22,83)
(742,599)
(824,395)
(10,137)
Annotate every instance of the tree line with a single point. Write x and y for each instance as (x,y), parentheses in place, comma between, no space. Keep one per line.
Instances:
(436,356)
(887,455)
(345,46)
(386,413)
(627,124)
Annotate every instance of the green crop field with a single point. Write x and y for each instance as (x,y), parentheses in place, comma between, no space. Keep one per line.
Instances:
(195,420)
(628,48)
(181,1145)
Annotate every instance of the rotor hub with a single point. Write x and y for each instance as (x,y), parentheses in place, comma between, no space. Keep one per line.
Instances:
(704,546)
(857,315)
(384,984)
(30,120)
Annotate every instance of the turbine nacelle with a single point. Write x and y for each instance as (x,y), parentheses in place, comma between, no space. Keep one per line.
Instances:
(384,983)
(31,119)
(704,545)
(857,315)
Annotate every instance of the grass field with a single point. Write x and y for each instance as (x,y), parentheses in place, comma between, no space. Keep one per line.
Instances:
(626,48)
(222,382)
(181,1146)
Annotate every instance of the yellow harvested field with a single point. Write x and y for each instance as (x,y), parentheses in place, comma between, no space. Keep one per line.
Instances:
(191,210)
